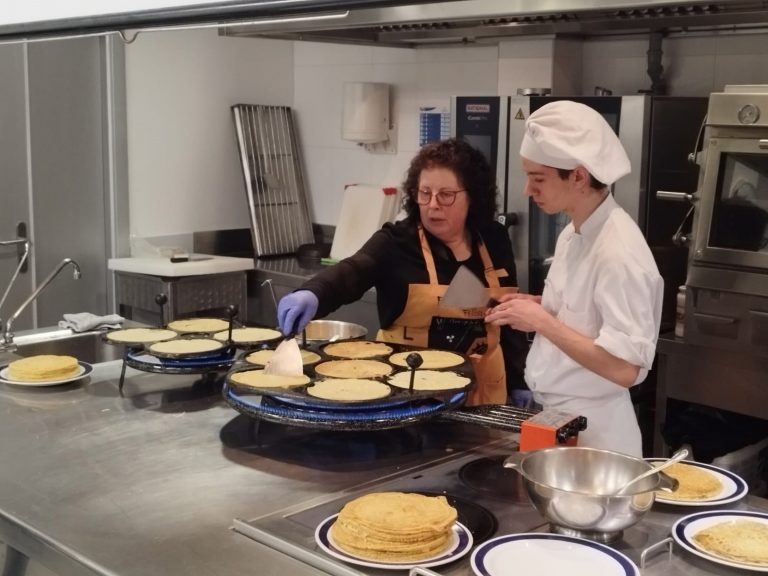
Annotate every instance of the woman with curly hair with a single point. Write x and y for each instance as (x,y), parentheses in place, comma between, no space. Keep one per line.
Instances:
(450,202)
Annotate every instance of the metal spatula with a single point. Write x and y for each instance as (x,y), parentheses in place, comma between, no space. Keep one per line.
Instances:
(465,291)
(286,361)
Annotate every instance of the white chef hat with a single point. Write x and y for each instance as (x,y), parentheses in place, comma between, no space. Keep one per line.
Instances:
(566,134)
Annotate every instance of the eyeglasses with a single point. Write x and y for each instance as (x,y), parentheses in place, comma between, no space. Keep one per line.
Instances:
(444,197)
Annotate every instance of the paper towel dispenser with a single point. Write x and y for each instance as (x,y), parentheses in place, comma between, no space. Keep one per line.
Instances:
(365,116)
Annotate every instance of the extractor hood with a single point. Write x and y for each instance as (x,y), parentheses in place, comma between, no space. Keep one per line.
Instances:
(489,21)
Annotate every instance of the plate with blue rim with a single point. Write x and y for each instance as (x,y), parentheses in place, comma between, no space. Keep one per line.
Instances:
(546,554)
(83,370)
(460,545)
(685,530)
(733,486)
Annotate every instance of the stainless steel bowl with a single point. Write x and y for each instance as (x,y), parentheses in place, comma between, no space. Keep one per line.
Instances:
(333,330)
(572,487)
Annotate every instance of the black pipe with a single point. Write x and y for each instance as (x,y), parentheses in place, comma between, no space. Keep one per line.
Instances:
(655,68)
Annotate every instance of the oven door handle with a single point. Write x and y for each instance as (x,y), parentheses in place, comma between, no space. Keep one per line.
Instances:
(714,319)
(676,196)
(763,143)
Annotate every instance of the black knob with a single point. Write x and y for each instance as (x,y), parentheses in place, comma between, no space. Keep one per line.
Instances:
(414,360)
(232,310)
(161,300)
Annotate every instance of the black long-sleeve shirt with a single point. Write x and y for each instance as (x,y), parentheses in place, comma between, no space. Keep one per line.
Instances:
(392,259)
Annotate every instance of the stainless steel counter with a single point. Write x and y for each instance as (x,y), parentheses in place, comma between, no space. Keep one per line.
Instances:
(149,483)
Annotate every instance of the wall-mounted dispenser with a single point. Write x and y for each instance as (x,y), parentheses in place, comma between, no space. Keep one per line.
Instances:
(366,117)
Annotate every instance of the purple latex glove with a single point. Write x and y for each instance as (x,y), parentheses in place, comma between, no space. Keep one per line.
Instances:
(295,311)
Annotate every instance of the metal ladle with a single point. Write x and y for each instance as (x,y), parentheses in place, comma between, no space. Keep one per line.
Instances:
(675,458)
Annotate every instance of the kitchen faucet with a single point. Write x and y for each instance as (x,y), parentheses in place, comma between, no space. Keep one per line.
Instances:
(8,334)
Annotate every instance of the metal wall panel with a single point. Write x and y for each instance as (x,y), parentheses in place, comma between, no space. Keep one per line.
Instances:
(14,180)
(66,141)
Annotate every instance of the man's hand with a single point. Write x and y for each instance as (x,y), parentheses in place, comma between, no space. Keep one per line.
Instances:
(522,312)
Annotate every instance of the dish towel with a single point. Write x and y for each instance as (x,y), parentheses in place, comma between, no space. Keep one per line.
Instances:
(84,321)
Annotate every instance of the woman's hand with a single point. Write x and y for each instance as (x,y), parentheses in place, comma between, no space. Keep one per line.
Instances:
(295,310)
(522,312)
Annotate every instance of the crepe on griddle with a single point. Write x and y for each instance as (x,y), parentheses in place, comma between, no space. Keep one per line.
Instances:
(198,325)
(355,349)
(349,389)
(695,483)
(248,335)
(185,346)
(395,526)
(261,357)
(260,379)
(429,380)
(430,359)
(43,367)
(141,335)
(739,540)
(353,368)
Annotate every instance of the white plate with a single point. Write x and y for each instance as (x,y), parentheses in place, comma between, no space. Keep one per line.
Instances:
(684,529)
(543,554)
(462,543)
(82,372)
(734,487)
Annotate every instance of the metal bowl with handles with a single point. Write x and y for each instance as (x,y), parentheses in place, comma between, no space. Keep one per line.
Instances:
(574,489)
(333,330)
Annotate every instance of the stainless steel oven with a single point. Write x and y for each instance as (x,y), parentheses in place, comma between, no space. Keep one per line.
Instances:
(728,272)
(658,134)
(496,124)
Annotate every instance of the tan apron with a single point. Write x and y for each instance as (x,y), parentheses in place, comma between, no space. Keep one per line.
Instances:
(425,323)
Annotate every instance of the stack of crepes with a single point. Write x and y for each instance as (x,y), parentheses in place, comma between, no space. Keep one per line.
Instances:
(395,526)
(43,367)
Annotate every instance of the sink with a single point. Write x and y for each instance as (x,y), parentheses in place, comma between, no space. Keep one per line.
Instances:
(87,346)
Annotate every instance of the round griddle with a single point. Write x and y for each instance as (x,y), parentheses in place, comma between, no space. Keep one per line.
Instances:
(294,406)
(376,417)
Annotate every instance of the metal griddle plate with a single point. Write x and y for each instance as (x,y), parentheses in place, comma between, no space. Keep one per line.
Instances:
(371,418)
(295,406)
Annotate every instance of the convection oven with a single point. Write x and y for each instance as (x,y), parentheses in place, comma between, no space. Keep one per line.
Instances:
(496,126)
(658,133)
(727,302)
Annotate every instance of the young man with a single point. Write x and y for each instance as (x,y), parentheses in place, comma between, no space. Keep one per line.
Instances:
(597,321)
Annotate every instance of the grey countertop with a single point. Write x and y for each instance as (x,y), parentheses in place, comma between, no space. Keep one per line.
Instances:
(149,483)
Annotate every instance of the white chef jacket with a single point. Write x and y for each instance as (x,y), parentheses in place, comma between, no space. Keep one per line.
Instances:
(603,283)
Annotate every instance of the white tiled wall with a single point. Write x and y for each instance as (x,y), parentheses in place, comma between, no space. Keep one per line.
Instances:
(180,86)
(694,65)
(525,63)
(184,174)
(417,78)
